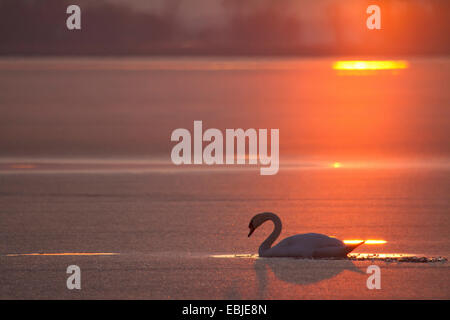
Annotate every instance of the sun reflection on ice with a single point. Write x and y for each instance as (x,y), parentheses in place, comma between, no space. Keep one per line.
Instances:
(370,241)
(336,165)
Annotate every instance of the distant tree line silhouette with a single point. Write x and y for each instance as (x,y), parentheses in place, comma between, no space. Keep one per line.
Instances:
(37,27)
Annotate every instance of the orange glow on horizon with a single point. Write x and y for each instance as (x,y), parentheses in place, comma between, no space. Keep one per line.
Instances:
(336,165)
(370,65)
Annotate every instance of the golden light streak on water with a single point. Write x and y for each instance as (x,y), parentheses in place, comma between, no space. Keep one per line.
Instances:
(22,166)
(352,241)
(375,242)
(370,241)
(63,254)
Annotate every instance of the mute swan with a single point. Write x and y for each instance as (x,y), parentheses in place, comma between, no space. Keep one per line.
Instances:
(307,245)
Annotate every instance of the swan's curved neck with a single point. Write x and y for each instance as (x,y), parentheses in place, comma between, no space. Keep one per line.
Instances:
(266,245)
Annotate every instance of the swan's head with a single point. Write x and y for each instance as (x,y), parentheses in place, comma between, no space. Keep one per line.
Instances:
(256,221)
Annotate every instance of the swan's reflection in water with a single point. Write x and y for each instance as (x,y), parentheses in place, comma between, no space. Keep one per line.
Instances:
(290,270)
(304,272)
(299,271)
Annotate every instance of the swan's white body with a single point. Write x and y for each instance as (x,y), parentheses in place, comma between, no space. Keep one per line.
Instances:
(307,245)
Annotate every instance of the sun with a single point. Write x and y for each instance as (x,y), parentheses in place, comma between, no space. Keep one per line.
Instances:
(370,65)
